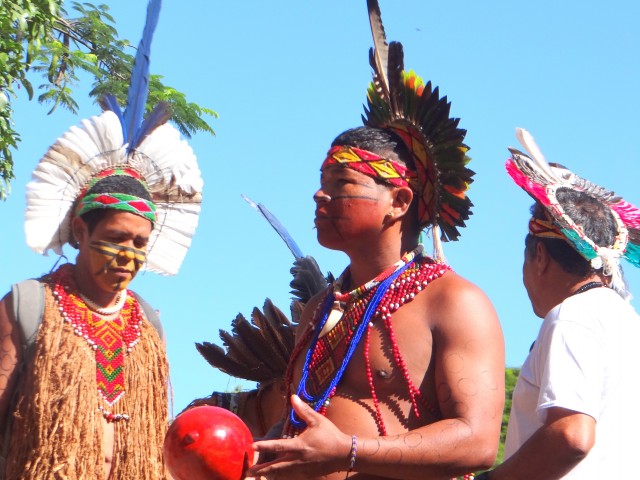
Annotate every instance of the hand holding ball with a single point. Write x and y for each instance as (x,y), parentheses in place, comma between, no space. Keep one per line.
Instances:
(208,443)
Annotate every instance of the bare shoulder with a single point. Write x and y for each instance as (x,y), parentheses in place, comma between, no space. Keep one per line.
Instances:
(6,313)
(9,332)
(456,302)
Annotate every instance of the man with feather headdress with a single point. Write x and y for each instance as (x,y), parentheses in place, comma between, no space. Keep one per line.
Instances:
(84,375)
(398,368)
(573,407)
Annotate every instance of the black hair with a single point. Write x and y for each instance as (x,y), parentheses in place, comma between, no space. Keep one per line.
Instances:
(376,140)
(591,214)
(113,184)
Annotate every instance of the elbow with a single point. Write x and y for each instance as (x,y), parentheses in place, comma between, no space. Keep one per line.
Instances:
(578,443)
(486,457)
(484,453)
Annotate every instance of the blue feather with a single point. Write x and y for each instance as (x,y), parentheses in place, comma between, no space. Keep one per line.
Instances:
(160,114)
(109,102)
(139,85)
(277,226)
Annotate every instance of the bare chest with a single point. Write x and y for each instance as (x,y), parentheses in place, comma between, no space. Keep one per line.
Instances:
(389,354)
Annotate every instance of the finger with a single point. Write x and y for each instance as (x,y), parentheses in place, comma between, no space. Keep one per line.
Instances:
(273,446)
(305,412)
(273,466)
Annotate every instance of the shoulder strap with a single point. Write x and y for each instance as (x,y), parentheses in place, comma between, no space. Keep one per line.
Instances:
(150,313)
(28,308)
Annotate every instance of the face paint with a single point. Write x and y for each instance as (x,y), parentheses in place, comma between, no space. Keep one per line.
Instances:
(349,206)
(118,264)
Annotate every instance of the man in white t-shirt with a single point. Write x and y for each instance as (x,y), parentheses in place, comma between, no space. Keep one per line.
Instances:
(574,406)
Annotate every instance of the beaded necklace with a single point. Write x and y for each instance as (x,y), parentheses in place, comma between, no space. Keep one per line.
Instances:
(120,299)
(329,355)
(588,286)
(110,339)
(340,300)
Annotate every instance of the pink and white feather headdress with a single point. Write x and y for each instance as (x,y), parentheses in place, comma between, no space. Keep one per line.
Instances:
(541,180)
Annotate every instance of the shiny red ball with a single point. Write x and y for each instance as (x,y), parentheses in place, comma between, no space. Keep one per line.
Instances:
(208,443)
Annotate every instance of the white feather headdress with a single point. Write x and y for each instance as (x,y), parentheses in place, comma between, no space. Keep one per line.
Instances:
(116,139)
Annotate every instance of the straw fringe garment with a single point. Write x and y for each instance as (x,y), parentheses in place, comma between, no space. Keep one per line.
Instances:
(57,431)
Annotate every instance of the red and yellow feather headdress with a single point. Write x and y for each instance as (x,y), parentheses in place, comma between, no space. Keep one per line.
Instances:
(400,101)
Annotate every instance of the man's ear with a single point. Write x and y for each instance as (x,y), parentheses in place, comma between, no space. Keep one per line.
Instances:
(541,258)
(401,201)
(79,229)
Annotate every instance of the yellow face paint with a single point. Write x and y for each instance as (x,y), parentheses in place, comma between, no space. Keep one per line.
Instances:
(118,263)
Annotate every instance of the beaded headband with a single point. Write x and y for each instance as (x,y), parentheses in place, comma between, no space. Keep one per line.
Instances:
(120,142)
(370,164)
(542,182)
(117,201)
(400,101)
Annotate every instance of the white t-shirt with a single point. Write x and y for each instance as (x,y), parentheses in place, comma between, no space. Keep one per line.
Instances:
(587,359)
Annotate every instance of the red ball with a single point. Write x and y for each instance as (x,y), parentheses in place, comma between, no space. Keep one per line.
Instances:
(208,443)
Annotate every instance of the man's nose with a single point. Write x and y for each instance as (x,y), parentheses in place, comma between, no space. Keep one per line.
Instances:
(321,197)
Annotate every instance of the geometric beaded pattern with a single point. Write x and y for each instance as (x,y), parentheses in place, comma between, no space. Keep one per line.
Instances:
(110,339)
(330,349)
(118,201)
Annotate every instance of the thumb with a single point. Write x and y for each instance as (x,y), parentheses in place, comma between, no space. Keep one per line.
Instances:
(305,412)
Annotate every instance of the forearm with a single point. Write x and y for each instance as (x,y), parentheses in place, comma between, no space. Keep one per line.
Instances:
(547,455)
(444,449)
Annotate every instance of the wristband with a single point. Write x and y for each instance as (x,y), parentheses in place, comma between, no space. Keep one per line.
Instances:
(352,454)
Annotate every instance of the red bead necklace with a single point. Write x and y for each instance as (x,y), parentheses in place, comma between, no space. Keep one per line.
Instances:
(110,339)
(330,348)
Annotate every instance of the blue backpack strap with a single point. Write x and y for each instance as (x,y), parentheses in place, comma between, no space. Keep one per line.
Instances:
(28,308)
(151,314)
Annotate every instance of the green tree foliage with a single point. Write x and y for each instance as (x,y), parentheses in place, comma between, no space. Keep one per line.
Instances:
(510,378)
(41,40)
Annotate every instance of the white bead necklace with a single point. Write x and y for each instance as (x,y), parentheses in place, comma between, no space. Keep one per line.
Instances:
(120,299)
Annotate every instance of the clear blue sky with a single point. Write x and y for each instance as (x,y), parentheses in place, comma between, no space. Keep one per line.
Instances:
(286,77)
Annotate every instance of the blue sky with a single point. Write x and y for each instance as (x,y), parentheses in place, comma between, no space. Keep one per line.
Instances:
(286,77)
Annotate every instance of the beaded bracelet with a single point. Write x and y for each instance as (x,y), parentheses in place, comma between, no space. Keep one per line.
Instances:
(352,455)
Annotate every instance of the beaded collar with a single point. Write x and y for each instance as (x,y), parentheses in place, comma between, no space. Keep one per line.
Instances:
(328,356)
(340,300)
(110,339)
(359,291)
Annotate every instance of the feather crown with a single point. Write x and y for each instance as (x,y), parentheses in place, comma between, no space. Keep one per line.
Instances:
(400,101)
(121,140)
(541,181)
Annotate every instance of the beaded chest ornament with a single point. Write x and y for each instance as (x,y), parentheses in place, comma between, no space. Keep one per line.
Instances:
(110,339)
(329,354)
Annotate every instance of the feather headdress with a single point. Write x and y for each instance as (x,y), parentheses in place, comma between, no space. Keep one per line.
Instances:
(121,139)
(541,181)
(400,101)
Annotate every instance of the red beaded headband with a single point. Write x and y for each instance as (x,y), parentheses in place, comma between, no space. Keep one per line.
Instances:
(370,164)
